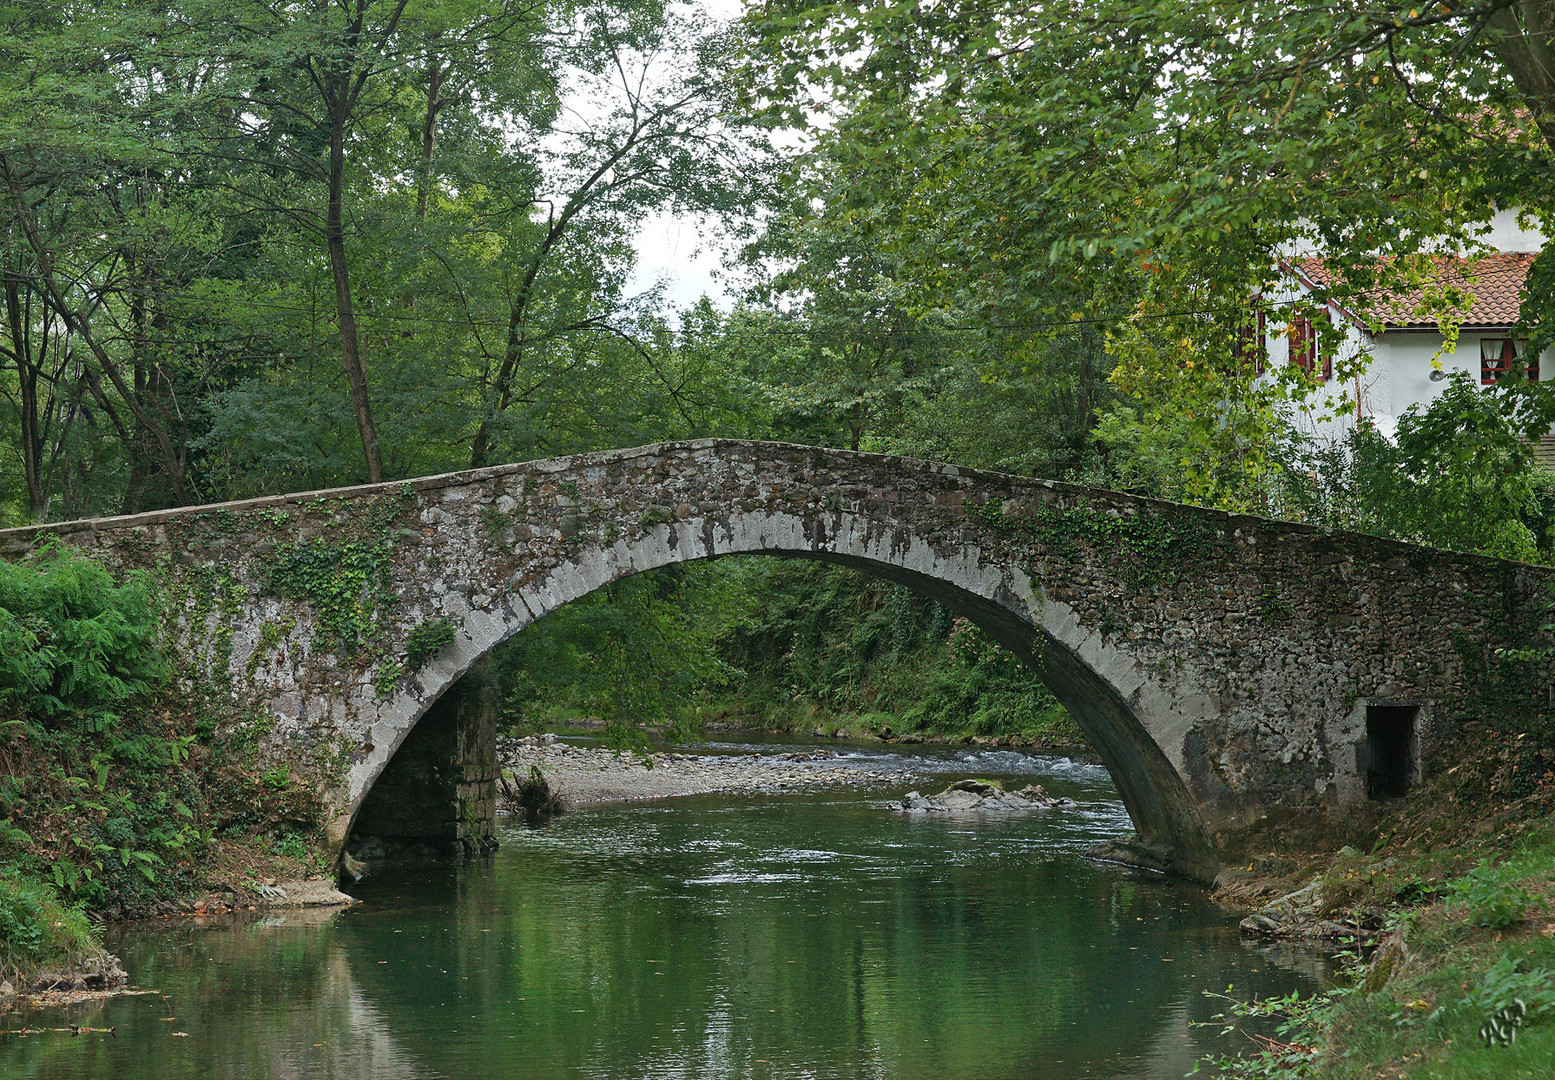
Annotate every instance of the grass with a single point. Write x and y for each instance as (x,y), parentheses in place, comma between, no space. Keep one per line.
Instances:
(38,932)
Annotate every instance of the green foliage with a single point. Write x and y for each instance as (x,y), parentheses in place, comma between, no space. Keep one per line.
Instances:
(1490,897)
(74,644)
(216,371)
(976,687)
(427,640)
(1509,980)
(774,644)
(771,644)
(347,583)
(295,846)
(1460,475)
(277,778)
(635,654)
(388,677)
(111,783)
(1299,1022)
(36,929)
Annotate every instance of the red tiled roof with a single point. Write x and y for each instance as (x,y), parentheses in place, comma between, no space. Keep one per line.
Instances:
(1496,290)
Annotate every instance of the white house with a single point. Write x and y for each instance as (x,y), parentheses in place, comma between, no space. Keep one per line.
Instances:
(1401,372)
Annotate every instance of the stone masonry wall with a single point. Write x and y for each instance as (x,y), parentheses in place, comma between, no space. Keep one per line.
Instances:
(440,790)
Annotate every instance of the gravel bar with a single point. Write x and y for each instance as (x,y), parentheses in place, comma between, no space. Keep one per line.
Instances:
(592,774)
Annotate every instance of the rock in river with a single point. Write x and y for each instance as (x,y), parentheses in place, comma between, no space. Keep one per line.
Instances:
(982,795)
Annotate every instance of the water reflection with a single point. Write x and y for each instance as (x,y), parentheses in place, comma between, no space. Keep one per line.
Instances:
(815,937)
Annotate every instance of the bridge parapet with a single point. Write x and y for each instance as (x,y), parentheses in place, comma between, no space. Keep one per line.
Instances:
(1230,670)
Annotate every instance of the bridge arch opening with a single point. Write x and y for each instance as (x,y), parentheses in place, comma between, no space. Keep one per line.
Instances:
(446,743)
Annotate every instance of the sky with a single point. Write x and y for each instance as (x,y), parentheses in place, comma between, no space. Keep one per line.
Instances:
(683,253)
(681,250)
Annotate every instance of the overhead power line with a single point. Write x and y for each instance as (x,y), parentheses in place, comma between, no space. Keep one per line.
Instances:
(599,324)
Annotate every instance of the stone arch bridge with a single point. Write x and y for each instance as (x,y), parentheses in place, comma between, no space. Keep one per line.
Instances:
(1235,674)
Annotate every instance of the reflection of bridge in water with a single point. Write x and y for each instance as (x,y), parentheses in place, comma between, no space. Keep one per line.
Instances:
(1233,673)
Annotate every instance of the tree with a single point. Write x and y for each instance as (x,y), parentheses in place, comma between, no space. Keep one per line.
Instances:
(1143,164)
(664,134)
(1460,474)
(306,86)
(91,240)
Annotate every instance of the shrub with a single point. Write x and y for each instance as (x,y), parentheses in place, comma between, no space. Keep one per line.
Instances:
(536,796)
(426,641)
(74,644)
(294,846)
(1492,901)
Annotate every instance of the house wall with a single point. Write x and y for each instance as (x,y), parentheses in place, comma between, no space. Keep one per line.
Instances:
(1503,233)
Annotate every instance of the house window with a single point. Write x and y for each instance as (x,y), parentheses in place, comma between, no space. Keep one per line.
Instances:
(1497,355)
(1304,350)
(1252,345)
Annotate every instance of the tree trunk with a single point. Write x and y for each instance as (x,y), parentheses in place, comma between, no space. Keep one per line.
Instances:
(75,321)
(429,134)
(345,315)
(513,352)
(1522,37)
(140,470)
(27,384)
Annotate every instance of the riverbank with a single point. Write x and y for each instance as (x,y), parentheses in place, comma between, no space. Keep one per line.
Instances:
(1063,739)
(1449,924)
(68,963)
(125,793)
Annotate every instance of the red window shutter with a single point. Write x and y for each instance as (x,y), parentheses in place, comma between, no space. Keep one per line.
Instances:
(1304,354)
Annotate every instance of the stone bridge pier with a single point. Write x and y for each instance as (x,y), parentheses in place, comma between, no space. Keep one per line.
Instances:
(1236,675)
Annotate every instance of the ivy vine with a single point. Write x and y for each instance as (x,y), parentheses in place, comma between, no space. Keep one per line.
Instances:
(1151,541)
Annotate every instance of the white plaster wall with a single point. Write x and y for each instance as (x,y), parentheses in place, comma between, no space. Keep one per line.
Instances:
(1499,231)
(1504,233)
(1326,413)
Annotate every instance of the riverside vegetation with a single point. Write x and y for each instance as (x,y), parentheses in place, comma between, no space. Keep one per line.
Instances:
(1449,917)
(120,797)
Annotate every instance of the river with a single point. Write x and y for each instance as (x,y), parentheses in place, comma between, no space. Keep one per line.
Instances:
(816,935)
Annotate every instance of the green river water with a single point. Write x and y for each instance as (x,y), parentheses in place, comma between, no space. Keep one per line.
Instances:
(816,935)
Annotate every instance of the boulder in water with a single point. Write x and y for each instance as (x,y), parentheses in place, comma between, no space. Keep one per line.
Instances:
(979,796)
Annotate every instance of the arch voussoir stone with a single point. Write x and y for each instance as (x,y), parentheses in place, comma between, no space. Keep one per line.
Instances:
(1221,665)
